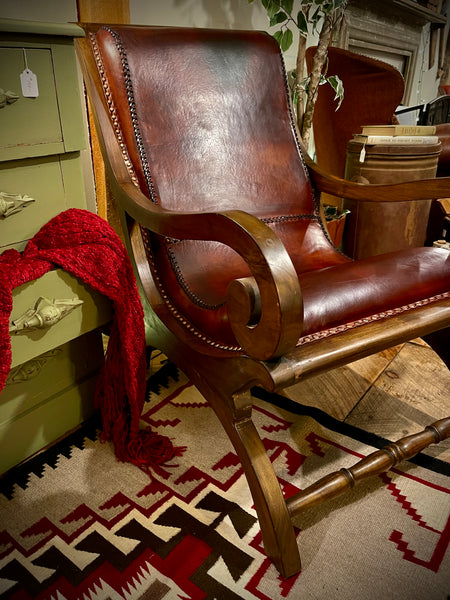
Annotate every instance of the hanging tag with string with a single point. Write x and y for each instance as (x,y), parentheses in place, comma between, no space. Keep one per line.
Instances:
(362,154)
(28,80)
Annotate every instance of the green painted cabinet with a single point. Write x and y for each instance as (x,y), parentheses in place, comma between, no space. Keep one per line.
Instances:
(50,387)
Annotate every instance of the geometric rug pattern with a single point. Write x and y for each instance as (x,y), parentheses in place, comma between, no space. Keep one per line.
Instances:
(77,524)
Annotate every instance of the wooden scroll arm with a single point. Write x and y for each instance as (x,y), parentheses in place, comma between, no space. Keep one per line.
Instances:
(265,310)
(398,192)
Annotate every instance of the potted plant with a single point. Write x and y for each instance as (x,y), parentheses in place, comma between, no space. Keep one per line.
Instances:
(320,17)
(335,220)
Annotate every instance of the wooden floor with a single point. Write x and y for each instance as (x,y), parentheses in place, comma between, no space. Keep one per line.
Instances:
(393,393)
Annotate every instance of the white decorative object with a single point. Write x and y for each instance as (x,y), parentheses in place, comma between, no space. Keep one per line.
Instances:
(7,97)
(13,203)
(44,314)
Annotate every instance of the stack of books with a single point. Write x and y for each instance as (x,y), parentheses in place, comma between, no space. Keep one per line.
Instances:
(397,134)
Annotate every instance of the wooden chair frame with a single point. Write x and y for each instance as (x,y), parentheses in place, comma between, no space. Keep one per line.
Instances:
(271,358)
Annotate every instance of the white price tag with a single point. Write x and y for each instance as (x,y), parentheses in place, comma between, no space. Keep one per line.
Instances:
(362,154)
(29,84)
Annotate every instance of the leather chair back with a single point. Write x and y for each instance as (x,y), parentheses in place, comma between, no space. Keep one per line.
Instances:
(169,123)
(372,91)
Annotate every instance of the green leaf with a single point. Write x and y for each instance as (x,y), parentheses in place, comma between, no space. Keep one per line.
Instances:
(250,1)
(279,17)
(302,23)
(288,5)
(278,35)
(338,87)
(304,83)
(286,40)
(338,4)
(316,15)
(271,7)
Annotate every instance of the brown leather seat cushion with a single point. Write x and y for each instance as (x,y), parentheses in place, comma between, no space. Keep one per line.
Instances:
(335,292)
(186,158)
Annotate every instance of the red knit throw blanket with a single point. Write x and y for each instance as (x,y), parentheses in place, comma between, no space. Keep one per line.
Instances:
(85,245)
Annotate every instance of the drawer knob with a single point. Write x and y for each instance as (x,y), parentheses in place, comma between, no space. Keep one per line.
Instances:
(13,203)
(44,314)
(7,97)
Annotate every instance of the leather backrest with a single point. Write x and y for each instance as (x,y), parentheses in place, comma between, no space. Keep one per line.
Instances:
(204,120)
(205,117)
(373,90)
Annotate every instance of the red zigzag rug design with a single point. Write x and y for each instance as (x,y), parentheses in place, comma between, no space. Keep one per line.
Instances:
(83,526)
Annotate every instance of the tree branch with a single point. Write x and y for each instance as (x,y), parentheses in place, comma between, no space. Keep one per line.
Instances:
(319,60)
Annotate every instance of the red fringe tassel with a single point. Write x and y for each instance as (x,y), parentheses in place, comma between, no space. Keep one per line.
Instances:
(85,245)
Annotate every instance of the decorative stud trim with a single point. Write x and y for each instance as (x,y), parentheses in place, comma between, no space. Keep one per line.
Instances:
(112,110)
(133,113)
(370,319)
(174,311)
(178,271)
(145,234)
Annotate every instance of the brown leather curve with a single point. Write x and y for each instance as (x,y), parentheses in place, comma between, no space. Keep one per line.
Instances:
(204,112)
(350,292)
(215,133)
(372,91)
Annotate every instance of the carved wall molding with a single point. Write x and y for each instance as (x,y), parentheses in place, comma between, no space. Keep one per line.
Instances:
(32,368)
(389,32)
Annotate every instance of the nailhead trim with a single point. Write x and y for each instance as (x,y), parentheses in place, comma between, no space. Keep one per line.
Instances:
(377,317)
(145,235)
(178,272)
(185,286)
(133,113)
(316,193)
(196,332)
(112,109)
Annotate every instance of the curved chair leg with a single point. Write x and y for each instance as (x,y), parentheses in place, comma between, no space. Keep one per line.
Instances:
(218,385)
(275,521)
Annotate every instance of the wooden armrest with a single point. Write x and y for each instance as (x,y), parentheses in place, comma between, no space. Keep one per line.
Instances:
(265,310)
(397,192)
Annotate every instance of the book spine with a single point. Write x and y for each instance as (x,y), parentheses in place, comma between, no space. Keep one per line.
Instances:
(400,130)
(414,130)
(388,140)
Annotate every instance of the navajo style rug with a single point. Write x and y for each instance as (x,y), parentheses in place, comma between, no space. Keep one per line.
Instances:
(77,524)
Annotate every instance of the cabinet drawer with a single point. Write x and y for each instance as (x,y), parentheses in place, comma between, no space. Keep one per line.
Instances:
(29,122)
(47,396)
(94,311)
(52,122)
(55,183)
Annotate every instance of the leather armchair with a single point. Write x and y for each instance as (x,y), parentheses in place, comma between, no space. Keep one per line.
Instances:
(221,208)
(373,90)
